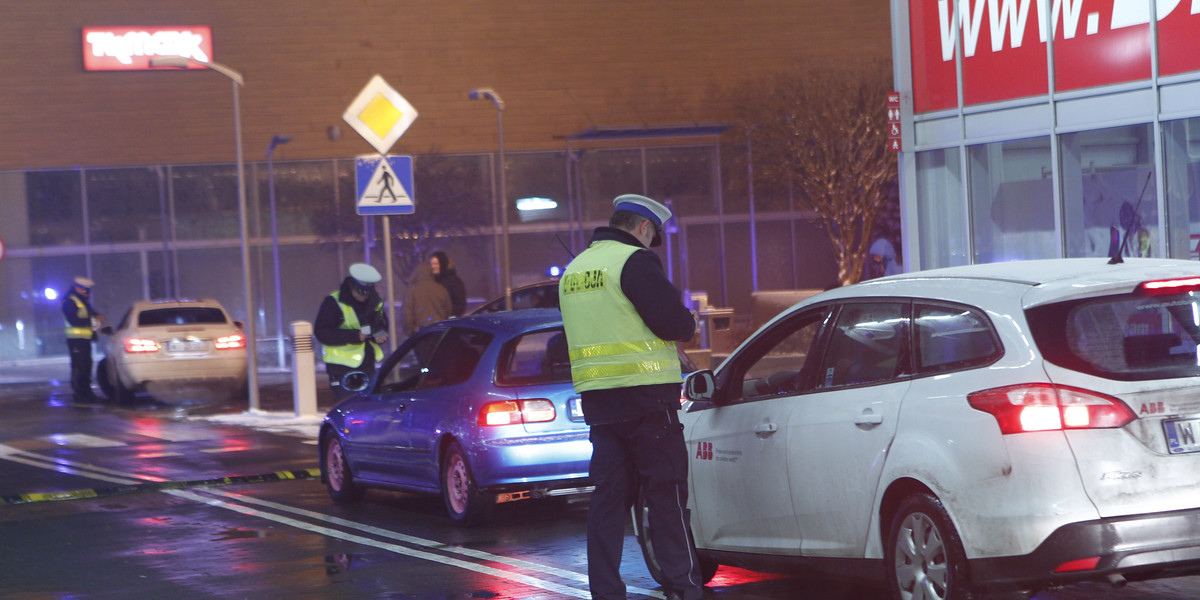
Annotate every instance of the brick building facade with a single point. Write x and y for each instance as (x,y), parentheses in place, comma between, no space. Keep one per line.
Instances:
(560,65)
(127,176)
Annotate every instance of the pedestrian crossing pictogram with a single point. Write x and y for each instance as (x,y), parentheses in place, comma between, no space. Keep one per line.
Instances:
(384,185)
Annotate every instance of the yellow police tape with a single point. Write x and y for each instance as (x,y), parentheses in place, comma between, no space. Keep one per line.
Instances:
(155,486)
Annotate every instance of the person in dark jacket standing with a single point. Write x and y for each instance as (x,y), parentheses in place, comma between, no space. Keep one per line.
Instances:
(445,274)
(352,325)
(81,323)
(425,301)
(622,317)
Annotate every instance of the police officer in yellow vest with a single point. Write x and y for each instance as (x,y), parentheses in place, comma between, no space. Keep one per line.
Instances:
(82,321)
(622,318)
(351,325)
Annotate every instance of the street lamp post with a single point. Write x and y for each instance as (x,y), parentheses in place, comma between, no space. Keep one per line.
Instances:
(490,94)
(181,62)
(276,140)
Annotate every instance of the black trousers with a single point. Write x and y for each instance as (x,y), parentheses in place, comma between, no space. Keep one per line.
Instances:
(81,368)
(648,453)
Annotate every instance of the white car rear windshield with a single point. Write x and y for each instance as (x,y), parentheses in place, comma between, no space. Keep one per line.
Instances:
(181,316)
(1127,337)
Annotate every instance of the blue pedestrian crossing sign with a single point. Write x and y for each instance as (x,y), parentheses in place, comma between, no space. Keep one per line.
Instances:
(385,185)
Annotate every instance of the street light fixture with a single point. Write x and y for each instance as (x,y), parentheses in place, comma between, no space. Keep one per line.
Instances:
(181,62)
(276,140)
(490,94)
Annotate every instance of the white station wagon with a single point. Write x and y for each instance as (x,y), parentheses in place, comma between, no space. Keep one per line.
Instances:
(978,431)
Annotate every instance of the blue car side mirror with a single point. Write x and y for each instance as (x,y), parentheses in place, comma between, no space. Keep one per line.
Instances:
(356,381)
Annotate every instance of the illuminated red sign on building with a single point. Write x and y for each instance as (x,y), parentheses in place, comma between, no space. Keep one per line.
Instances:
(131,48)
(1003,45)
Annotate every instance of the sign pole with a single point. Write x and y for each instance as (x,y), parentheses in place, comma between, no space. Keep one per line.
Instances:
(381,115)
(391,294)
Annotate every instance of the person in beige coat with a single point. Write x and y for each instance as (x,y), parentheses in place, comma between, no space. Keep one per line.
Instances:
(426,301)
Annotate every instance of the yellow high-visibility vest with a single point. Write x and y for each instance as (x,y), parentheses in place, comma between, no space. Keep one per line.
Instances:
(74,332)
(350,355)
(610,346)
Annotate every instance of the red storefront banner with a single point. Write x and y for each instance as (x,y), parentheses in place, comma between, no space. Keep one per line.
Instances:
(1003,45)
(1178,39)
(131,48)
(934,77)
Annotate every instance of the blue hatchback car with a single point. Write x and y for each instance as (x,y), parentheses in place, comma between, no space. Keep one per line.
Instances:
(479,409)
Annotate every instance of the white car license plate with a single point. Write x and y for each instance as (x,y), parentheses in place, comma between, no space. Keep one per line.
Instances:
(1181,435)
(576,408)
(186,346)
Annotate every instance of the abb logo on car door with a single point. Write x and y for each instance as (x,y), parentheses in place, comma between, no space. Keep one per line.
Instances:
(1004,46)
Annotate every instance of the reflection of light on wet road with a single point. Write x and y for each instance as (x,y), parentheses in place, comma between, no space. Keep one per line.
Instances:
(727,575)
(493,576)
(539,578)
(81,440)
(232,447)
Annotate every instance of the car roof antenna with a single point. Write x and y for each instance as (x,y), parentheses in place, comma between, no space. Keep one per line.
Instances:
(560,242)
(1116,259)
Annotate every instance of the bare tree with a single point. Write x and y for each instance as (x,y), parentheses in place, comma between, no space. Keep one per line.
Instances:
(452,199)
(822,131)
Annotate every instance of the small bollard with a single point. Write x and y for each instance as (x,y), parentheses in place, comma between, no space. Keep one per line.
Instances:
(304,380)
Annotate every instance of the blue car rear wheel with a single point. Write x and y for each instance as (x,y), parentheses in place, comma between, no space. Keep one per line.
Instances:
(464,503)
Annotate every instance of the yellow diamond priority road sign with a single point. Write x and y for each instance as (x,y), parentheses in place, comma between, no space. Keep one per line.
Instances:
(380,114)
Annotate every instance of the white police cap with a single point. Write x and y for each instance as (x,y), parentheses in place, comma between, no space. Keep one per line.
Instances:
(85,283)
(657,213)
(365,274)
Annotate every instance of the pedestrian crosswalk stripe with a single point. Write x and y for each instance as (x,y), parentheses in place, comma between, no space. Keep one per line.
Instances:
(155,486)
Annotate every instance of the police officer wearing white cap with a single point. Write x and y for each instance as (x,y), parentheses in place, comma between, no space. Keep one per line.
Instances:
(622,317)
(352,325)
(81,323)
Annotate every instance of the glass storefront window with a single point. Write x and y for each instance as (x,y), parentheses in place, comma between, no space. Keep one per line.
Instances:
(604,175)
(173,230)
(536,175)
(1012,200)
(1181,163)
(125,205)
(55,205)
(683,175)
(302,190)
(205,202)
(941,212)
(1108,194)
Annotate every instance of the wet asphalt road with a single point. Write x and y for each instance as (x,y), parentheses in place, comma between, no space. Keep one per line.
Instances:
(284,538)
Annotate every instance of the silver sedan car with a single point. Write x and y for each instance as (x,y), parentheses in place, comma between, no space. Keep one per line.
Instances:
(184,350)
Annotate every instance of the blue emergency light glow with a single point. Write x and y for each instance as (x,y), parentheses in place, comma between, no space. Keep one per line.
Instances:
(554,271)
(50,294)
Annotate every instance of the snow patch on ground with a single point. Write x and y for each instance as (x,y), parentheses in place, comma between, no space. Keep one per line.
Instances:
(287,423)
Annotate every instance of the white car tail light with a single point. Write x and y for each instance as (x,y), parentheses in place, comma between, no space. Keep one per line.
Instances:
(1170,286)
(1047,407)
(230,342)
(139,345)
(510,412)
(537,411)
